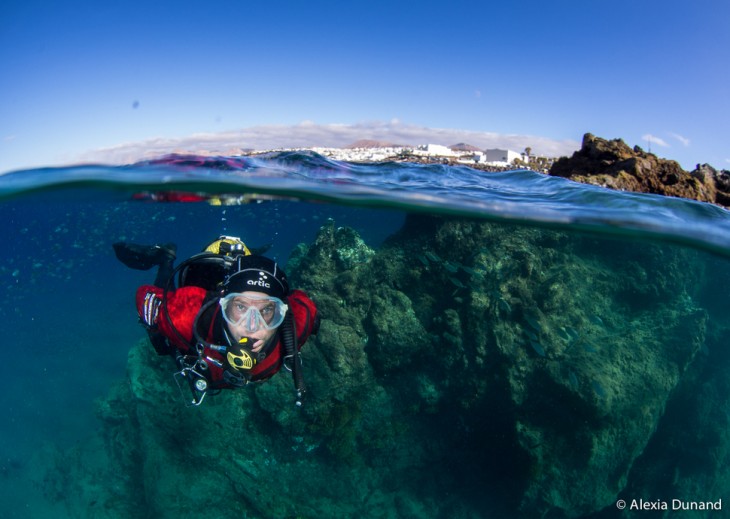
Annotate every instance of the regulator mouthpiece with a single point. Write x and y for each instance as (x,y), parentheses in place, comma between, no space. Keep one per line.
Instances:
(241,357)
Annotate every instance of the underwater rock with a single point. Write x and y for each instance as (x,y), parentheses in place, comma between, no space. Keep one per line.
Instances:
(426,398)
(577,444)
(689,455)
(343,246)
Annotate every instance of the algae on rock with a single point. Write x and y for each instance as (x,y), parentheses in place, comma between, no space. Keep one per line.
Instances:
(460,356)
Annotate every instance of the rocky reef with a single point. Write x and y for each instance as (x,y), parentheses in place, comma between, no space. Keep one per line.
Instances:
(613,164)
(465,369)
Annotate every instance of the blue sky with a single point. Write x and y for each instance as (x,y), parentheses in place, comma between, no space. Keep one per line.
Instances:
(82,80)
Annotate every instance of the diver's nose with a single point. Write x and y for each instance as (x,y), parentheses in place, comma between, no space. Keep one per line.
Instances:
(251,321)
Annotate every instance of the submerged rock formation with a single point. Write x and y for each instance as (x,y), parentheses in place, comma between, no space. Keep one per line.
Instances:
(464,370)
(613,164)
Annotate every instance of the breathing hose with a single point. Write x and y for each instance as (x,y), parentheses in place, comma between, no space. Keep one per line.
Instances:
(289,339)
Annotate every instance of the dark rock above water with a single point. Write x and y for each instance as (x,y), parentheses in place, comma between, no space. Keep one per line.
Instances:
(613,164)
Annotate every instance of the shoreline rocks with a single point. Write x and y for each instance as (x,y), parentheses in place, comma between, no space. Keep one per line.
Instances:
(615,165)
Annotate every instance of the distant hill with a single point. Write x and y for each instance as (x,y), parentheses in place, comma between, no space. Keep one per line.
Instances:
(369,143)
(464,147)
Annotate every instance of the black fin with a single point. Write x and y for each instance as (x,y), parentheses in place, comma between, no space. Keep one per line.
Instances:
(260,251)
(143,257)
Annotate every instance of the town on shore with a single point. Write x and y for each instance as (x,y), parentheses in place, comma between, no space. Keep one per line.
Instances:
(495,159)
(608,163)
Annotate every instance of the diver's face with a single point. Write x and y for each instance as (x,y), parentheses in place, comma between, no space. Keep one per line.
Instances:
(261,335)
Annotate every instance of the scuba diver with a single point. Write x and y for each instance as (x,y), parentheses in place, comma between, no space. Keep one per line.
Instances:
(231,320)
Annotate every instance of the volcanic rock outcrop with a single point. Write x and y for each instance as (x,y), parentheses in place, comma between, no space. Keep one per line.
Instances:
(613,164)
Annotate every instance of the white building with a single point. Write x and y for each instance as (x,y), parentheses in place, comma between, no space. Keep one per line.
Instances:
(473,157)
(436,150)
(505,156)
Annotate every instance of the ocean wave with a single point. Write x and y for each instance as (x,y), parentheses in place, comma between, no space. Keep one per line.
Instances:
(519,196)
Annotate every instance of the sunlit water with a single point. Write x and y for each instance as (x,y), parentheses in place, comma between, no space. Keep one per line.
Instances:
(67,303)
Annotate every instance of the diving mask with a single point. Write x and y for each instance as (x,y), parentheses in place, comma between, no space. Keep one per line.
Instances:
(253,312)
